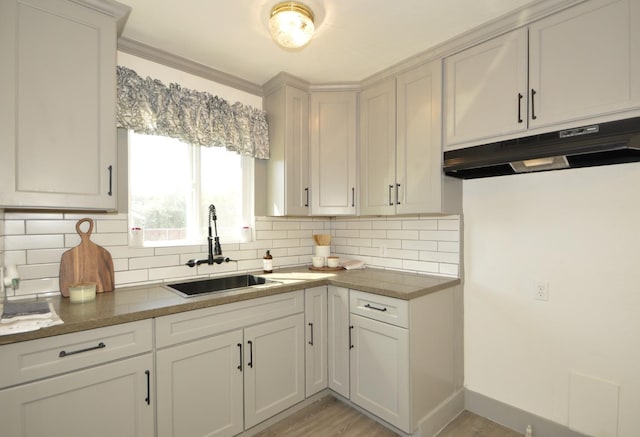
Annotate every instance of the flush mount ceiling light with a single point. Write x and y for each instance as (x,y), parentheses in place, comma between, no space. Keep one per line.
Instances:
(291,24)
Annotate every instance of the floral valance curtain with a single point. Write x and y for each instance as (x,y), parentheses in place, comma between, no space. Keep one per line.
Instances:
(148,106)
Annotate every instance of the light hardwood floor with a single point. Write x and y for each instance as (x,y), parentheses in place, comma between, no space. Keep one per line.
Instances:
(329,417)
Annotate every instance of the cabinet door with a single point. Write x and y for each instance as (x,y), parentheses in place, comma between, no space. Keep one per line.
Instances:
(419,140)
(104,401)
(57,113)
(288,165)
(315,313)
(200,387)
(380,370)
(585,61)
(333,153)
(338,336)
(274,368)
(486,90)
(378,149)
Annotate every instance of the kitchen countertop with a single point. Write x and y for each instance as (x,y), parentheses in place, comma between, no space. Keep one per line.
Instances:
(128,304)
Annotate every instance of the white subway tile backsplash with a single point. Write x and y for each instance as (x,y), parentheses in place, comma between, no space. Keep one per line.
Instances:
(154,261)
(420,245)
(39,271)
(17,242)
(449,225)
(440,235)
(14,227)
(426,224)
(36,242)
(40,256)
(52,227)
(386,224)
(106,226)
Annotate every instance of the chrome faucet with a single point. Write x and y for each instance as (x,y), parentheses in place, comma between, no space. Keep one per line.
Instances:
(215,253)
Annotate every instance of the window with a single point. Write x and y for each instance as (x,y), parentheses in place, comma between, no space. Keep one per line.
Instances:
(172,184)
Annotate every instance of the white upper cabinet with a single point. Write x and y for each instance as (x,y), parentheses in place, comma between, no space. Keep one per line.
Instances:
(585,62)
(57,113)
(486,88)
(288,165)
(333,153)
(401,145)
(574,66)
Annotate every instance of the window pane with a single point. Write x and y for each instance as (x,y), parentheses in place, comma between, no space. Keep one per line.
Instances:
(172,184)
(221,176)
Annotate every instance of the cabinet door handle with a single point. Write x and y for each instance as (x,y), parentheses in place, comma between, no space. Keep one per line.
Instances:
(240,350)
(311,327)
(250,363)
(533,107)
(100,345)
(307,193)
(375,308)
(110,193)
(148,398)
(397,194)
(390,188)
(350,344)
(520,96)
(353,197)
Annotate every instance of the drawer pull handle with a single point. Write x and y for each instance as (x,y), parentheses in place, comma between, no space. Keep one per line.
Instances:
(250,363)
(375,308)
(148,398)
(311,326)
(533,107)
(307,193)
(110,168)
(240,349)
(350,344)
(100,345)
(520,96)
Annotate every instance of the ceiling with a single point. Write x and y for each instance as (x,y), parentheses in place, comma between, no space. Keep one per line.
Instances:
(354,39)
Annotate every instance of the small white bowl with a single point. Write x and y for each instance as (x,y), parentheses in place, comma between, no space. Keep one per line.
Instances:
(333,261)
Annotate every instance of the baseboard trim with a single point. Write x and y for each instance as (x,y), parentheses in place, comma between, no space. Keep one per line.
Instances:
(515,418)
(439,418)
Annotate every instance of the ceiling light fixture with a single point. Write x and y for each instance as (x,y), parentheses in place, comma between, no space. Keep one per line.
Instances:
(291,24)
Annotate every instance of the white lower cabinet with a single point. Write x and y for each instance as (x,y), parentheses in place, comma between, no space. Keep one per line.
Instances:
(315,313)
(274,368)
(91,383)
(195,400)
(380,370)
(338,335)
(224,369)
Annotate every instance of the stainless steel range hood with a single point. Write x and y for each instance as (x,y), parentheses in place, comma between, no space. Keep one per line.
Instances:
(614,142)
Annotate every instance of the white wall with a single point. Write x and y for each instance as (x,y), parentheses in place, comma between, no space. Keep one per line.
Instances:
(580,231)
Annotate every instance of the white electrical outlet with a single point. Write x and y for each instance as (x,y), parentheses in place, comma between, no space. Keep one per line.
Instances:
(542,291)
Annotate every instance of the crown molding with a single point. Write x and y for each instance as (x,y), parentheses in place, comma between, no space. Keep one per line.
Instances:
(283,79)
(153,54)
(518,18)
(120,12)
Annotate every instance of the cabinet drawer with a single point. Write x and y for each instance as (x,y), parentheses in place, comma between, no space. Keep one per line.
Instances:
(386,309)
(35,359)
(190,325)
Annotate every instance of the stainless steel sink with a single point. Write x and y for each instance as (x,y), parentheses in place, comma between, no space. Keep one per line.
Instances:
(217,285)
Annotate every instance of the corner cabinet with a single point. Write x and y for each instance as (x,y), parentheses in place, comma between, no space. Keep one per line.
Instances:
(577,66)
(315,318)
(57,114)
(401,146)
(333,152)
(287,110)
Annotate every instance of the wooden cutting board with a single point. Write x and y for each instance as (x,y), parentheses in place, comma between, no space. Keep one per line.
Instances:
(86,263)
